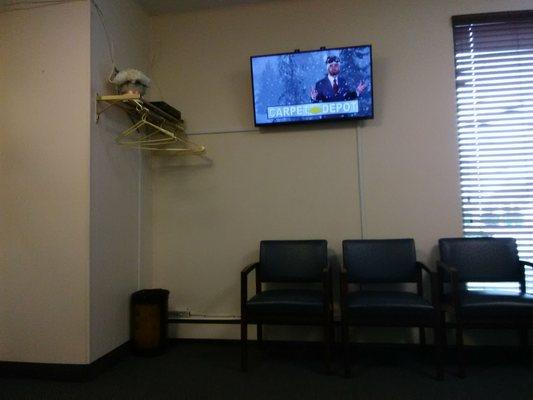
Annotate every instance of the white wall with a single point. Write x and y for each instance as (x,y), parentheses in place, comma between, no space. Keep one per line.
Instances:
(44,184)
(301,182)
(118,178)
(73,226)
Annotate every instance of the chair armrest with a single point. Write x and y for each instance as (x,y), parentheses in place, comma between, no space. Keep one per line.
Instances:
(448,269)
(249,268)
(424,267)
(344,287)
(327,285)
(454,280)
(326,278)
(244,284)
(434,283)
(523,277)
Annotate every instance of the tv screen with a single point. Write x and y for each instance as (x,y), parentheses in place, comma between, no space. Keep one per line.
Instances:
(325,84)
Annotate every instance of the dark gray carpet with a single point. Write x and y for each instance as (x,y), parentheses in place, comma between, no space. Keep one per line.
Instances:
(282,371)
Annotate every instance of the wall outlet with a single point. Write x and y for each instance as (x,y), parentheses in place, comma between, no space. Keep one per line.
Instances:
(181,312)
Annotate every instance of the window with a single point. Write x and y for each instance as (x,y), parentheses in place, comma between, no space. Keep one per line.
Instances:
(494,89)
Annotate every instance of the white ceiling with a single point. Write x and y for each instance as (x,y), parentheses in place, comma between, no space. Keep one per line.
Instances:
(152,7)
(156,7)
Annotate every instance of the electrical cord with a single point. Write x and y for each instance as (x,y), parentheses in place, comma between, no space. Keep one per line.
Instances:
(30,5)
(110,47)
(362,215)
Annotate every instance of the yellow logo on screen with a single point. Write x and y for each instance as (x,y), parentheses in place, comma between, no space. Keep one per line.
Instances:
(315,110)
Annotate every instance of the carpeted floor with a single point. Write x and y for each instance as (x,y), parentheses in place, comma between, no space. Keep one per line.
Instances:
(282,371)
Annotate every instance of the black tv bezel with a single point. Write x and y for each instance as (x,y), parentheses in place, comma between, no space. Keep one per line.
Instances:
(305,122)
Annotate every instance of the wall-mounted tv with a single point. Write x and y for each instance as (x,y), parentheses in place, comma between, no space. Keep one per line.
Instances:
(307,86)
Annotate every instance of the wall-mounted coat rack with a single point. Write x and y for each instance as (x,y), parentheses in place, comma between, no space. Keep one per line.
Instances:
(153,128)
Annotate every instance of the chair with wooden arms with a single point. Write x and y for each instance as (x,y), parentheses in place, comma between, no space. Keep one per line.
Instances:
(387,262)
(298,262)
(464,260)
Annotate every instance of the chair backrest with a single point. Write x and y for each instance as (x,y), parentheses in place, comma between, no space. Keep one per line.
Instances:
(292,260)
(482,259)
(380,261)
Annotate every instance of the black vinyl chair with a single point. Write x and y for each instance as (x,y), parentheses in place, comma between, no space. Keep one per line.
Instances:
(464,260)
(393,261)
(288,261)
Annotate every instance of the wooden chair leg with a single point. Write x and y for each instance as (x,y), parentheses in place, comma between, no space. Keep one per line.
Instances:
(345,333)
(332,336)
(327,346)
(244,344)
(422,336)
(444,332)
(460,350)
(523,338)
(438,333)
(260,333)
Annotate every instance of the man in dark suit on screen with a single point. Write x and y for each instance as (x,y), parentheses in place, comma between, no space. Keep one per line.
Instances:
(334,87)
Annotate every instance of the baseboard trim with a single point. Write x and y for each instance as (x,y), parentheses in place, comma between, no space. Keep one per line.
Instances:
(63,372)
(450,348)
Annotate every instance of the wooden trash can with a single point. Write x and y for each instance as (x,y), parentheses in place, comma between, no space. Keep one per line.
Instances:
(149,325)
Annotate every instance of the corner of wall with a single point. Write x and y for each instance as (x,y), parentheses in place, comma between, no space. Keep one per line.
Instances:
(119,35)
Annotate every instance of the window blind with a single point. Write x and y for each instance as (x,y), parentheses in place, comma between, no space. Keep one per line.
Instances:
(494,91)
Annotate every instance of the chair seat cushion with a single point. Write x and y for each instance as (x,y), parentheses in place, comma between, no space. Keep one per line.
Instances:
(379,304)
(287,302)
(495,303)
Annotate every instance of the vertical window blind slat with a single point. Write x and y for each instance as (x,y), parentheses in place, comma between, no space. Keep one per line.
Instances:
(494,93)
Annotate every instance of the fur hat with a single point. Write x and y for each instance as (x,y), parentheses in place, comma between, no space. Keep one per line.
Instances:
(131,81)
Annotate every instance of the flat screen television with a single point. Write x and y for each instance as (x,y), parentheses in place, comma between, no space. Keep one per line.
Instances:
(308,86)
